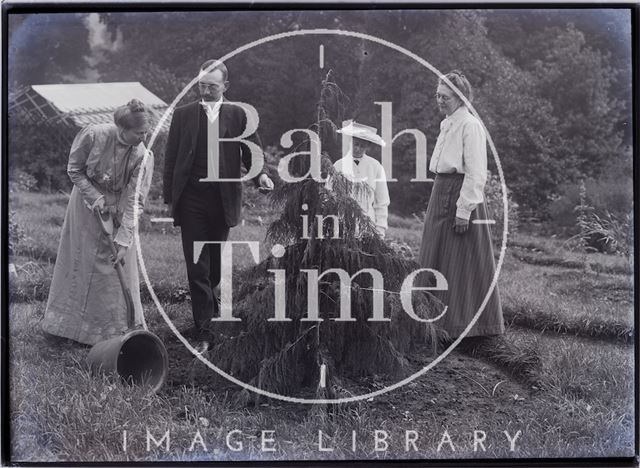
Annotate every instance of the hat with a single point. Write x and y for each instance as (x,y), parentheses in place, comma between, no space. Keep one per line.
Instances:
(361,131)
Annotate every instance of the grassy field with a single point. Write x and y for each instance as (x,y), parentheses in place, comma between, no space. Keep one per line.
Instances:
(561,380)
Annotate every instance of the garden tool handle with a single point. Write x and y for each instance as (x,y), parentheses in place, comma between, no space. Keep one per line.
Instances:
(105,222)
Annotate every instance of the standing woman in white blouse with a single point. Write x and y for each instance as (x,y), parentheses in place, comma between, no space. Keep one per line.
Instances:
(451,243)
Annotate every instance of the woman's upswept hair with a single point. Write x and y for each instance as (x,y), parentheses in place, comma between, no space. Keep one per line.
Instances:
(460,81)
(134,114)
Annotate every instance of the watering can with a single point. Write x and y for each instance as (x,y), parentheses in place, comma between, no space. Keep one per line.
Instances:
(138,357)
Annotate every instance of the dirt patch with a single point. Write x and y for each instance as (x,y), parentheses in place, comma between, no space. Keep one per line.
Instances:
(458,388)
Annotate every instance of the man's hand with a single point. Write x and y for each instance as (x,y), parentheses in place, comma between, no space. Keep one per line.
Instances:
(266,184)
(169,211)
(122,251)
(461,225)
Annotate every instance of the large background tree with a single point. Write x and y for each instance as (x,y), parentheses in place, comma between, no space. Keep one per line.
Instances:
(552,87)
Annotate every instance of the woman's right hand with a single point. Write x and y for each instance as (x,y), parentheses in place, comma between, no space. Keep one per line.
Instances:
(460,225)
(98,206)
(121,253)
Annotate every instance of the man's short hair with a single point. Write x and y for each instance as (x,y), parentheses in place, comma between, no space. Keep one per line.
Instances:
(218,66)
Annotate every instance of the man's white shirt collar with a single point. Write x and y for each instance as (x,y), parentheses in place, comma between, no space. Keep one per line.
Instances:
(212,108)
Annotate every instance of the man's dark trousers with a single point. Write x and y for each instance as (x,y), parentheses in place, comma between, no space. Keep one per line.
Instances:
(202,220)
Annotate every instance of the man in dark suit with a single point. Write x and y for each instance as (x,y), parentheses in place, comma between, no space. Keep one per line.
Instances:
(206,210)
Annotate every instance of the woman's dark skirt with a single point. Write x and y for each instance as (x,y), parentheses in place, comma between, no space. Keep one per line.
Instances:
(466,261)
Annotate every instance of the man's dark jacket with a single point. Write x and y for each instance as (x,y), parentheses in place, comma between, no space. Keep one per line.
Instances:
(181,148)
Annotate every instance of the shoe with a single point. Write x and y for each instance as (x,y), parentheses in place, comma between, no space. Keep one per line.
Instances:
(192,333)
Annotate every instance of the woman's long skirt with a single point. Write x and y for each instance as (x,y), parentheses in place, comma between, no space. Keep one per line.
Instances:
(466,261)
(86,302)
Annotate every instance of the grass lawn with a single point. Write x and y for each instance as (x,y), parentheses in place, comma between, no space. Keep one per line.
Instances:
(560,383)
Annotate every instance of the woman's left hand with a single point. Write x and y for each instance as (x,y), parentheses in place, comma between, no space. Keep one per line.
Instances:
(122,251)
(461,225)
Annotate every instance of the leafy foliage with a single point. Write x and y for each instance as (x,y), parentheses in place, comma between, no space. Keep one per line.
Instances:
(553,88)
(15,233)
(609,197)
(495,207)
(40,151)
(604,233)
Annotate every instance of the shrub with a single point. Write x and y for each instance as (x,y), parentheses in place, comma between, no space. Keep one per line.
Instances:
(20,181)
(495,207)
(609,198)
(40,151)
(606,233)
(16,233)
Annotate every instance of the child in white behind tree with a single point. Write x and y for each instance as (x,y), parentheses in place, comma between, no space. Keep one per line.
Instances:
(359,167)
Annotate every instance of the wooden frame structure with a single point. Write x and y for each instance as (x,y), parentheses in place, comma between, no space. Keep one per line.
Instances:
(57,107)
